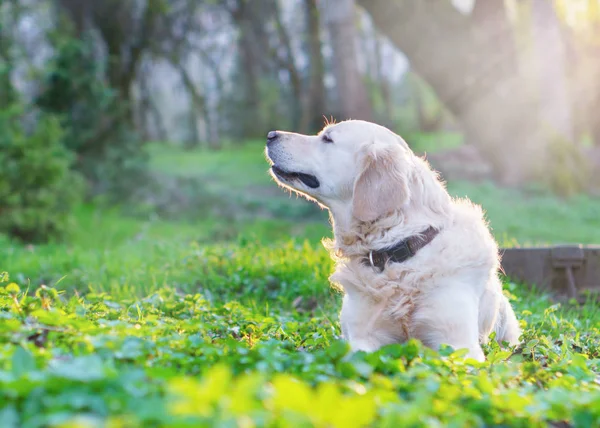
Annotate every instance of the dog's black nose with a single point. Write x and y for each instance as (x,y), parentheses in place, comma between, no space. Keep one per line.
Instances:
(272,136)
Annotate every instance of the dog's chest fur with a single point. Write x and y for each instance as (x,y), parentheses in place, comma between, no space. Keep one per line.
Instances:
(377,307)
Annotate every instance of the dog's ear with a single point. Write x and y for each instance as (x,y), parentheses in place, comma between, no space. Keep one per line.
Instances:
(382,184)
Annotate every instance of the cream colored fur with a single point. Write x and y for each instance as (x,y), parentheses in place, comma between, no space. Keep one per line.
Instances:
(379,193)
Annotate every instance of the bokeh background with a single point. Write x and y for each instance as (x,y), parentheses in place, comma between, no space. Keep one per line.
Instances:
(127,125)
(153,274)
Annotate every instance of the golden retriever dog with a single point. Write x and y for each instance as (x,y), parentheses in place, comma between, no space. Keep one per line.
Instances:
(412,261)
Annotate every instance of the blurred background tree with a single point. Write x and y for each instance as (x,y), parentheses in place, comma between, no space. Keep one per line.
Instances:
(38,190)
(512,84)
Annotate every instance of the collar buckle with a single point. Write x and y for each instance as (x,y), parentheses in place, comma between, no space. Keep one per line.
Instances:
(402,251)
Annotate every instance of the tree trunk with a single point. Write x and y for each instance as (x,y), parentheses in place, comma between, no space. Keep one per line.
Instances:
(215,112)
(251,44)
(289,64)
(420,114)
(427,121)
(376,79)
(79,11)
(384,84)
(314,107)
(458,58)
(7,91)
(490,20)
(550,69)
(149,116)
(114,20)
(251,72)
(593,80)
(583,65)
(490,16)
(352,93)
(594,122)
(198,104)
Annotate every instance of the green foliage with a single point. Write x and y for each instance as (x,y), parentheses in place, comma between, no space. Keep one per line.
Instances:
(420,110)
(7,91)
(569,171)
(431,142)
(251,109)
(174,359)
(220,323)
(97,121)
(37,188)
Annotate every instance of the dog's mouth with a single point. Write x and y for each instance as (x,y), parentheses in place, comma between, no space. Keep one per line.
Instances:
(307,179)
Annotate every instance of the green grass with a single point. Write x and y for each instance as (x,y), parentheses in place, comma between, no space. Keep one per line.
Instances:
(238,175)
(129,256)
(535,217)
(224,320)
(242,165)
(433,142)
(526,217)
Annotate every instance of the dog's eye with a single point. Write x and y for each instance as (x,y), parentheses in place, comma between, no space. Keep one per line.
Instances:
(327,139)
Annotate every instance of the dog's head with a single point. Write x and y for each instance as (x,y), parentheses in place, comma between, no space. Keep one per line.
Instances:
(352,162)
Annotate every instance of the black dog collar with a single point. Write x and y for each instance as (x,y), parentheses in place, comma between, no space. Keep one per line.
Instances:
(402,251)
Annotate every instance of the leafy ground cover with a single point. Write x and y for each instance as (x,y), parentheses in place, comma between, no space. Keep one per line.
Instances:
(263,350)
(146,321)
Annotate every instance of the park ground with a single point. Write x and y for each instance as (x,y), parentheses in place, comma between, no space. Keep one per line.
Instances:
(215,310)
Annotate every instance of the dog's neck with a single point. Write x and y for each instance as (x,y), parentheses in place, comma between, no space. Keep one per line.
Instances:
(353,238)
(428,206)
